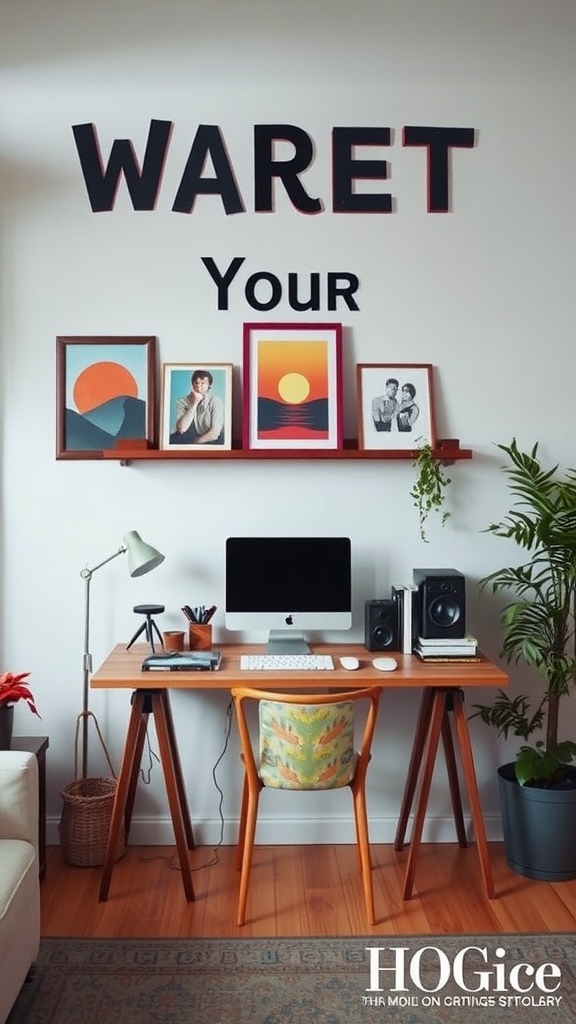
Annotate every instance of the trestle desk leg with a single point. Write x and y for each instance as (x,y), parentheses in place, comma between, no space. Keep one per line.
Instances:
(448,743)
(434,732)
(473,795)
(144,703)
(182,798)
(169,758)
(418,748)
(125,787)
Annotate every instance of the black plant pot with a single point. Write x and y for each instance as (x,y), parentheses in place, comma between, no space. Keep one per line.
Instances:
(539,828)
(6,725)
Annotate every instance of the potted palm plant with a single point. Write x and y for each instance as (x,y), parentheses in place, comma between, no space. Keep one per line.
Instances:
(538,790)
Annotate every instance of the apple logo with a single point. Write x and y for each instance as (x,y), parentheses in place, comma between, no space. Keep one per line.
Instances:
(289,620)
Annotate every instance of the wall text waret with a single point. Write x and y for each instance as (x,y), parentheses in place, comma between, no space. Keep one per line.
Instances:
(143,177)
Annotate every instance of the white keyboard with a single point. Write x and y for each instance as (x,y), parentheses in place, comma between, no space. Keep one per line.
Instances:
(285,662)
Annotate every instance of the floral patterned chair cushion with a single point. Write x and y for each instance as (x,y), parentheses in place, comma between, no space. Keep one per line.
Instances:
(305,746)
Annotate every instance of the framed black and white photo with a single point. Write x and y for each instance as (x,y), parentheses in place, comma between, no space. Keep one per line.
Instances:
(196,407)
(395,406)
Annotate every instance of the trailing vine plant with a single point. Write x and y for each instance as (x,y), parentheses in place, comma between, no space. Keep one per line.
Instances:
(428,491)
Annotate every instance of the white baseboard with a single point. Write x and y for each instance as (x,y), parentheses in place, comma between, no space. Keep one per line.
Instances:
(287,832)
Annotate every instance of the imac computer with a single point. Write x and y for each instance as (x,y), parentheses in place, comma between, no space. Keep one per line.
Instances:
(288,585)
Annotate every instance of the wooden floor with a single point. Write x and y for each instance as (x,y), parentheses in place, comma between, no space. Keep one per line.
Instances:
(300,890)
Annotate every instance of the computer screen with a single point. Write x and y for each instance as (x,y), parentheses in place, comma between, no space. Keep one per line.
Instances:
(288,585)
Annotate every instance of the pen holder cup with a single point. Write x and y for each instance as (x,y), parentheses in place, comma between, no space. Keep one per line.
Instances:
(199,637)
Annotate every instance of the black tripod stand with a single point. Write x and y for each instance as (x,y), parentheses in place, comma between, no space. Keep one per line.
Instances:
(148,627)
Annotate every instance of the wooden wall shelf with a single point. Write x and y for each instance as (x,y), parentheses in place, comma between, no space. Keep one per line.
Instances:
(447,450)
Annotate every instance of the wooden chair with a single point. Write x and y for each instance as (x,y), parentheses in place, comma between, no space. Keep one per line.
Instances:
(305,742)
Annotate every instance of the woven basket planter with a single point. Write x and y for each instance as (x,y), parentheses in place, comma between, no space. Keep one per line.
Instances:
(86,815)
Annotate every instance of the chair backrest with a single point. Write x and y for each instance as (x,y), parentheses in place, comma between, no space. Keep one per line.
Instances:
(306,741)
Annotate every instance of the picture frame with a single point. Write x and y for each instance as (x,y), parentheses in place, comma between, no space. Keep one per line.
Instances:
(292,386)
(395,406)
(105,394)
(206,425)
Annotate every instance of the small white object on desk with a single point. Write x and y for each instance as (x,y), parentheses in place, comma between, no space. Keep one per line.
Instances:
(385,664)
(349,663)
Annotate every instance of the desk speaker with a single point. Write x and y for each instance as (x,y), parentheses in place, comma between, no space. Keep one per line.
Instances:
(381,631)
(442,603)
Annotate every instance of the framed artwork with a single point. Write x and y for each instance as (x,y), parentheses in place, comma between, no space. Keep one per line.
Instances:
(292,386)
(196,407)
(105,392)
(395,406)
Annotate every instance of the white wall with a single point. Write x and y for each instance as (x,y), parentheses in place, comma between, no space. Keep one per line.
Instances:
(485,293)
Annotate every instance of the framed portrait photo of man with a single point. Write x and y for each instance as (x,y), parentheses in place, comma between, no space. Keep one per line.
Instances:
(395,406)
(196,407)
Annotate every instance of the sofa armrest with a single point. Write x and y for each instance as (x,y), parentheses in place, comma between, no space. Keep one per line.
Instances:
(19,796)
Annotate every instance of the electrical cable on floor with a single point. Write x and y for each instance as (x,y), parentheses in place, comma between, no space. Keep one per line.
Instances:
(170,861)
(152,756)
(227,730)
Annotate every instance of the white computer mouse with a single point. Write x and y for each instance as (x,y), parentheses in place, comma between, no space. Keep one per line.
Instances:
(385,664)
(350,663)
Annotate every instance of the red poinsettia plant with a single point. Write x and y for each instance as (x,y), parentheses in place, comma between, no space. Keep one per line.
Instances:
(12,689)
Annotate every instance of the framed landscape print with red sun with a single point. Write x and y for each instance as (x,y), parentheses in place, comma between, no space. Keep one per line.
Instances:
(292,386)
(105,393)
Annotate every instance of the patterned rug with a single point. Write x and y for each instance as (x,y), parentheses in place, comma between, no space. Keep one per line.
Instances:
(493,979)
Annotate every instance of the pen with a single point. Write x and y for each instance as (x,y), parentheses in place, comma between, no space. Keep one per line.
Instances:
(200,615)
(208,614)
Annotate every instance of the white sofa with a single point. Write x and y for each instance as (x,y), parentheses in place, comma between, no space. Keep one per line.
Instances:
(19,884)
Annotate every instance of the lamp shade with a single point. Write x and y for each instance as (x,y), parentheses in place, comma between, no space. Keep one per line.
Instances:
(142,558)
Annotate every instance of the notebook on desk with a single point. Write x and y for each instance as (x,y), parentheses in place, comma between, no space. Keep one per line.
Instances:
(174,661)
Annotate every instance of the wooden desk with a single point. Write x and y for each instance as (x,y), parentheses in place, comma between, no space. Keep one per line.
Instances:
(443,687)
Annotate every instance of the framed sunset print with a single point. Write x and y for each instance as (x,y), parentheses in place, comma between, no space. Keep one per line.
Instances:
(292,386)
(105,393)
(395,406)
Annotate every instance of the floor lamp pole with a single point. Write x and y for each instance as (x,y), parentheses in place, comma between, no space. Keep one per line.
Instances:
(86,575)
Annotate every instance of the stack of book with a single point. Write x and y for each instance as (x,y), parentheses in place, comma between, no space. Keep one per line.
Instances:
(439,649)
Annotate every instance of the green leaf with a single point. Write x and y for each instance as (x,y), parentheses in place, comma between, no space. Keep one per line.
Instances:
(565,752)
(534,764)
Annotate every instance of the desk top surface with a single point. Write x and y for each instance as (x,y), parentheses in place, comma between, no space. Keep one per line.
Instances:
(122,669)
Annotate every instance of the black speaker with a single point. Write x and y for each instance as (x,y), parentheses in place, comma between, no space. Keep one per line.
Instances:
(381,626)
(442,603)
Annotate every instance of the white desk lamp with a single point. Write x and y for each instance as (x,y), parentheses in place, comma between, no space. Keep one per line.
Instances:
(142,558)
